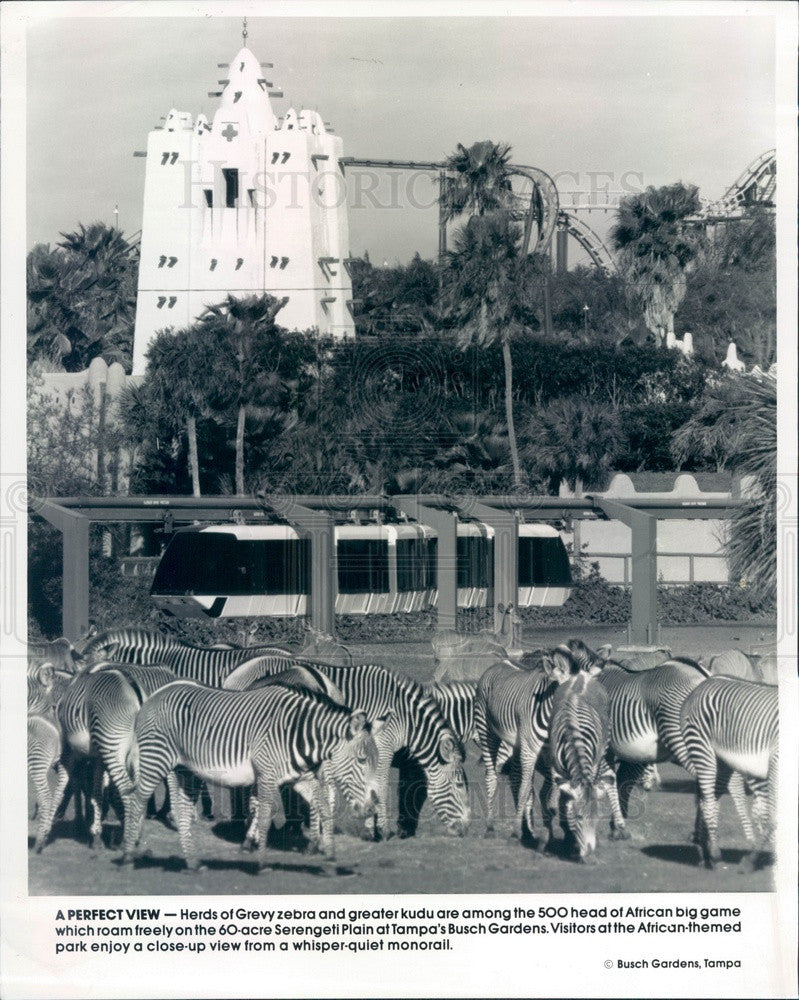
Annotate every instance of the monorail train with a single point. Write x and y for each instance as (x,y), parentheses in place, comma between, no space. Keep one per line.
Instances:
(264,570)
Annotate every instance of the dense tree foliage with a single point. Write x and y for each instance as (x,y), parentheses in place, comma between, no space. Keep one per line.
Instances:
(82,298)
(655,248)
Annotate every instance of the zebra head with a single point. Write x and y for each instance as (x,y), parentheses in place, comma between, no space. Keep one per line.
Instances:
(582,812)
(584,657)
(353,764)
(447,785)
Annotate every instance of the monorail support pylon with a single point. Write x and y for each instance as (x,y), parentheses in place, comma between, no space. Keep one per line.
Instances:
(321,527)
(446,525)
(506,554)
(643,628)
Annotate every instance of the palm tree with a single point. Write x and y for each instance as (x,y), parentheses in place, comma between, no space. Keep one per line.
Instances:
(178,363)
(477,180)
(489,282)
(655,249)
(752,541)
(82,297)
(574,440)
(244,341)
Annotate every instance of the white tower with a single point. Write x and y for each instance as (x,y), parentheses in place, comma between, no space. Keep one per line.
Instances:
(249,204)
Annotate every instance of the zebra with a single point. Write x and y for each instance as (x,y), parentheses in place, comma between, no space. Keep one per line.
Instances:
(644,713)
(417,732)
(733,724)
(579,739)
(268,737)
(207,665)
(95,715)
(513,706)
(310,679)
(456,701)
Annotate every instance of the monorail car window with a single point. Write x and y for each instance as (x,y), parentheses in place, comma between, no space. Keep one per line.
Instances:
(275,566)
(218,563)
(475,561)
(543,562)
(362,565)
(196,563)
(416,567)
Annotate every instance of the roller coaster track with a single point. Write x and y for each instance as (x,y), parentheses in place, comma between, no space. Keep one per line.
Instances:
(600,255)
(757,185)
(543,208)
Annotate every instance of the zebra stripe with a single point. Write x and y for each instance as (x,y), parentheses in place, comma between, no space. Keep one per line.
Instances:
(416,726)
(513,707)
(579,739)
(732,724)
(46,772)
(268,737)
(455,699)
(206,665)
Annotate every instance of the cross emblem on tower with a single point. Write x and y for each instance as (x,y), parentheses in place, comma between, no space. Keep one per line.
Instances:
(229,132)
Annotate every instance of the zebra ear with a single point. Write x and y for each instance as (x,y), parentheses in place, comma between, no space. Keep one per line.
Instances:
(357,722)
(447,748)
(566,788)
(45,675)
(380,723)
(604,652)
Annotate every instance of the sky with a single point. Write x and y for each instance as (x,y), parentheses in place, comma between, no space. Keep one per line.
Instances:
(646,100)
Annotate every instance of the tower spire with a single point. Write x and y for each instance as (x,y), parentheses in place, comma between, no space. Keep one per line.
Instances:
(244,33)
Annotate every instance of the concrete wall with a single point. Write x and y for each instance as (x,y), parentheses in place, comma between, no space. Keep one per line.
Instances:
(688,550)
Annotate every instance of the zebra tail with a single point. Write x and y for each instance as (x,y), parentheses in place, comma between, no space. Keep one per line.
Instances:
(132,760)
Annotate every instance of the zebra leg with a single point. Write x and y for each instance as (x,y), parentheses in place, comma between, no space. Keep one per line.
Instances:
(737,789)
(493,763)
(182,794)
(378,826)
(528,757)
(764,812)
(322,812)
(549,809)
(134,819)
(98,784)
(618,828)
(706,771)
(267,791)
(251,836)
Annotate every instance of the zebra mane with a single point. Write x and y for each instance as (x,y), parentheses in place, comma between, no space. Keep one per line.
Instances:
(691,663)
(576,750)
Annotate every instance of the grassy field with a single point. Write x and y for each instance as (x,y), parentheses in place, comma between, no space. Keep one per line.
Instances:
(658,857)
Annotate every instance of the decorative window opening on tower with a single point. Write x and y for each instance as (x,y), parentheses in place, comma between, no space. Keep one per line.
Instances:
(209,197)
(231,176)
(251,197)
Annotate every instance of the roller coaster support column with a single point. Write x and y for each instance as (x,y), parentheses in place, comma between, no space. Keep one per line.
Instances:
(446,526)
(320,527)
(506,554)
(74,530)
(644,617)
(561,251)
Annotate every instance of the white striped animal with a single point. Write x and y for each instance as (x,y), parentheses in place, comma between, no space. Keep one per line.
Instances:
(267,737)
(579,739)
(734,724)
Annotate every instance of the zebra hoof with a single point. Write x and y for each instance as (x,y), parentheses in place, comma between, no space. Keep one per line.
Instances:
(194,866)
(621,833)
(127,858)
(490,833)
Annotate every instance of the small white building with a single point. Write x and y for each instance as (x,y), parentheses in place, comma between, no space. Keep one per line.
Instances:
(245,204)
